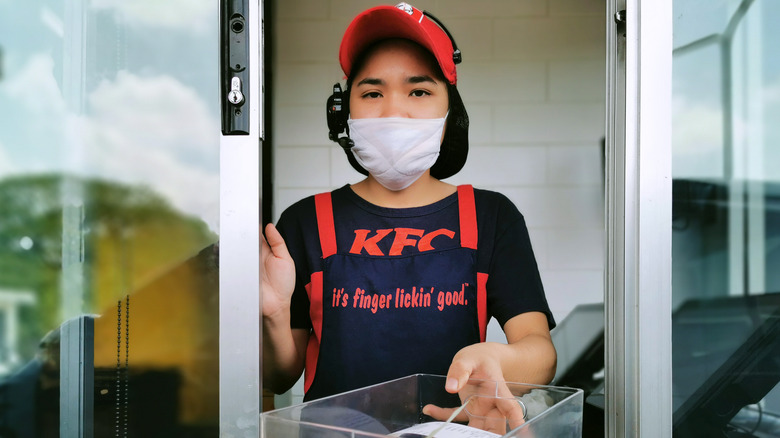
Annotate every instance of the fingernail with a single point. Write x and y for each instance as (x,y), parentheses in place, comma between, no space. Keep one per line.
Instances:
(452,384)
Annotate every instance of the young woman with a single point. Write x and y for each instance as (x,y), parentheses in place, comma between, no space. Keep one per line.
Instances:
(399,273)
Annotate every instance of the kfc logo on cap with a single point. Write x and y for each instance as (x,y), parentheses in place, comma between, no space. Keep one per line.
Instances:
(406,7)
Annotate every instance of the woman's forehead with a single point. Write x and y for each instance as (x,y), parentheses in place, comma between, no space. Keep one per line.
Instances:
(395,53)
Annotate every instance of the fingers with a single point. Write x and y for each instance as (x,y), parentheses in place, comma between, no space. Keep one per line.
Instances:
(512,410)
(494,414)
(457,376)
(443,414)
(276,242)
(263,243)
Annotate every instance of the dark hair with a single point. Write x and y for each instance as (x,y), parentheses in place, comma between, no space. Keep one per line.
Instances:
(454,145)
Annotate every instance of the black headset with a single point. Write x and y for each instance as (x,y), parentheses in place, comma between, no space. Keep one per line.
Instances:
(337,110)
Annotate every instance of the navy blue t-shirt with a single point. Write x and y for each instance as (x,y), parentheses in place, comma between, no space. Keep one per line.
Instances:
(362,229)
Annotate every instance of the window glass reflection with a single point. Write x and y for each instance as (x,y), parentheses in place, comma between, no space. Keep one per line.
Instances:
(109,206)
(726,225)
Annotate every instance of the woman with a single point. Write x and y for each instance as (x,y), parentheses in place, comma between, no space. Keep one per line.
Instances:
(398,274)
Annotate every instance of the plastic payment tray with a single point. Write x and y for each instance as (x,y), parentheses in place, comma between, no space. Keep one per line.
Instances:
(387,409)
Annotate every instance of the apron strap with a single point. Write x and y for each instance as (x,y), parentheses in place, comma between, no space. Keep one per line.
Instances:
(468,239)
(468,216)
(327,231)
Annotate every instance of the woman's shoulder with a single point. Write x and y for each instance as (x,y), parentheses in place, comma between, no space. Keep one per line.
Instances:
(306,206)
(496,212)
(492,201)
(299,209)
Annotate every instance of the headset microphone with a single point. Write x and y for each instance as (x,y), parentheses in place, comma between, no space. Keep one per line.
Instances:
(337,118)
(346,142)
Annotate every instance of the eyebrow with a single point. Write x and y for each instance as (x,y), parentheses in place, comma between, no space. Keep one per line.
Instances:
(411,80)
(420,79)
(371,81)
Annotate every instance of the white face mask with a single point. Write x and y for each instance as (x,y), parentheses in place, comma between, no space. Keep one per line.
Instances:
(396,151)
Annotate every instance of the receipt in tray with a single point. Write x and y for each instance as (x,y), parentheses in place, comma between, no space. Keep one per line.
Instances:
(445,430)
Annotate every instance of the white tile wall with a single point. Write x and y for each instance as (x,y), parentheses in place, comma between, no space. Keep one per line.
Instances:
(577,7)
(303,9)
(497,165)
(295,43)
(556,206)
(480,115)
(446,9)
(312,161)
(533,83)
(548,122)
(575,165)
(551,37)
(576,80)
(300,125)
(341,172)
(494,82)
(474,37)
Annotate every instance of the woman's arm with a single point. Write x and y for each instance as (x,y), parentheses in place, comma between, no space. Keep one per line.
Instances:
(528,356)
(284,349)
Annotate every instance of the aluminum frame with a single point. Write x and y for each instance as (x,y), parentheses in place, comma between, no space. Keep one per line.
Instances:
(638,333)
(77,377)
(239,247)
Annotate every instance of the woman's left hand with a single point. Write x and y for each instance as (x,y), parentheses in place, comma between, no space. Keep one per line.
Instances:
(493,410)
(477,361)
(482,369)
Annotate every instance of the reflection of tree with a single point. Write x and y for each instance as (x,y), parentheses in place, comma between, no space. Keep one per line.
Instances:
(129,235)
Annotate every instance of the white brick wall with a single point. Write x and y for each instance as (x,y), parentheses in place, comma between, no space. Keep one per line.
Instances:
(532,79)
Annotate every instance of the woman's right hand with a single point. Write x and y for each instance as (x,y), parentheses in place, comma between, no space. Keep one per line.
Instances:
(277,273)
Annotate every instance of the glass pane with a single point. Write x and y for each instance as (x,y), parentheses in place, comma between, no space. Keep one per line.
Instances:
(711,18)
(109,203)
(726,235)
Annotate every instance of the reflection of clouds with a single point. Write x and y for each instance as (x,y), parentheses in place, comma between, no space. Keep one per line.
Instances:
(696,127)
(32,109)
(771,96)
(154,113)
(137,130)
(186,15)
(158,132)
(697,135)
(35,87)
(52,21)
(697,139)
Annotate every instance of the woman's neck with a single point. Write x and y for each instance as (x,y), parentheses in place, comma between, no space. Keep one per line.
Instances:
(426,190)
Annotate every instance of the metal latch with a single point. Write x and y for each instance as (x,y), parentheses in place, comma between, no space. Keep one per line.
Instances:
(235,96)
(620,20)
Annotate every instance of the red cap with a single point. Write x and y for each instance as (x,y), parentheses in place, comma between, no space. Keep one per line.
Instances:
(400,21)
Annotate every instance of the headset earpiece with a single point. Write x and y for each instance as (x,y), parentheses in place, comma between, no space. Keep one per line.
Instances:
(337,114)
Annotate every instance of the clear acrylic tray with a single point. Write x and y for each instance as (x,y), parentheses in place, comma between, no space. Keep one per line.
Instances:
(394,409)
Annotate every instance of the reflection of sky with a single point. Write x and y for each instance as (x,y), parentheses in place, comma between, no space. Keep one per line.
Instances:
(697,108)
(149,109)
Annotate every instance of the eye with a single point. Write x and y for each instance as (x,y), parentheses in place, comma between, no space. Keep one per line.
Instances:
(371,95)
(419,93)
